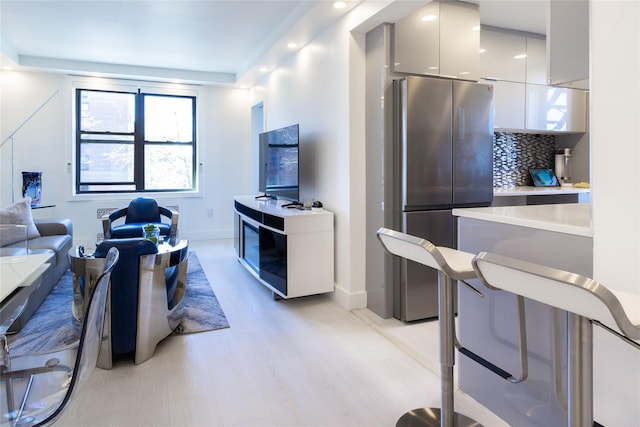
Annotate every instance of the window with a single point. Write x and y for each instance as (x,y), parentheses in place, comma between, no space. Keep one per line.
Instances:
(134,142)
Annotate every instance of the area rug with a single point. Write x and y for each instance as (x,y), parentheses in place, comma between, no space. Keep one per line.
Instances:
(52,326)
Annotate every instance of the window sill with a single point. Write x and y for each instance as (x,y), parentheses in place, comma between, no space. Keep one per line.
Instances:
(88,197)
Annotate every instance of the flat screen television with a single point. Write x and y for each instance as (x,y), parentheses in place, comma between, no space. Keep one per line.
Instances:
(279,155)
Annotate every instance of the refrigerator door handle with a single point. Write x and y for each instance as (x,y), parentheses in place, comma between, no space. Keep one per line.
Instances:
(462,126)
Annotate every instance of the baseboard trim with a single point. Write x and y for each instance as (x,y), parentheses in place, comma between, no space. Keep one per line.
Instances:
(348,300)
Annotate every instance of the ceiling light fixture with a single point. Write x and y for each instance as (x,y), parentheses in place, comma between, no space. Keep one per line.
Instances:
(339,4)
(292,45)
(481,50)
(521,56)
(428,18)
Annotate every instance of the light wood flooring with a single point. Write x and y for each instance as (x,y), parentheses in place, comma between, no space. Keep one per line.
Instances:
(301,362)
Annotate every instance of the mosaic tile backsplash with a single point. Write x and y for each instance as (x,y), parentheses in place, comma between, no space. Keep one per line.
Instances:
(515,153)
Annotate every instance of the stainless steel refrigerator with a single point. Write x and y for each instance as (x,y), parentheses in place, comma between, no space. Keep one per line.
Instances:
(443,159)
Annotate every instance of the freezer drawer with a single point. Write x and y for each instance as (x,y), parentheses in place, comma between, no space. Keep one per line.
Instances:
(417,287)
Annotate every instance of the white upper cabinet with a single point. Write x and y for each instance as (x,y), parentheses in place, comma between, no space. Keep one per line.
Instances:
(568,43)
(509,104)
(503,55)
(459,40)
(440,39)
(525,107)
(512,56)
(556,109)
(516,65)
(416,42)
(536,60)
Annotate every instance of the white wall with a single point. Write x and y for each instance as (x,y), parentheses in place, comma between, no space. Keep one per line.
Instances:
(615,177)
(312,88)
(46,144)
(42,143)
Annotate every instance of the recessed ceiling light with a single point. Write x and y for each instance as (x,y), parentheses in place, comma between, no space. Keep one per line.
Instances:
(292,45)
(481,50)
(521,56)
(428,18)
(339,4)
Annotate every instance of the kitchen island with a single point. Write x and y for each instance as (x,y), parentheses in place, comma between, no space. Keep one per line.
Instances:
(559,236)
(570,218)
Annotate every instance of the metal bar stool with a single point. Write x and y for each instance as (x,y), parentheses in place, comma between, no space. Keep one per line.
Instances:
(586,301)
(451,265)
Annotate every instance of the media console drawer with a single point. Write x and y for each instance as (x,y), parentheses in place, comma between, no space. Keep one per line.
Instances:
(288,250)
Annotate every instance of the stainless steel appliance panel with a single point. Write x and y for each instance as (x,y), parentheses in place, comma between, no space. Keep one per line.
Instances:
(472,144)
(418,290)
(426,143)
(443,155)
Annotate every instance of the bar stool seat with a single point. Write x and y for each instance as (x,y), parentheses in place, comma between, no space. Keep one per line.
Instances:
(451,265)
(458,264)
(586,301)
(631,305)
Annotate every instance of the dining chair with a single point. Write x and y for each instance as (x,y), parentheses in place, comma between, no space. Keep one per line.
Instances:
(39,387)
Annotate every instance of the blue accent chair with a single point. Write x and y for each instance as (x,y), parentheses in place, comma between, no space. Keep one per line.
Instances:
(141,211)
(147,289)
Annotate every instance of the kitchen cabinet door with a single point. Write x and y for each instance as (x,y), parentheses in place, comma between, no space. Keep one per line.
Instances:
(509,105)
(459,40)
(568,43)
(536,60)
(502,55)
(416,42)
(555,109)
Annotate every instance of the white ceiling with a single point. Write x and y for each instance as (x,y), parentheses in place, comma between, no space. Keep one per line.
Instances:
(206,40)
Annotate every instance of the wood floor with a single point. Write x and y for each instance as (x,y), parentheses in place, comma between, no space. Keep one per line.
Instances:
(302,362)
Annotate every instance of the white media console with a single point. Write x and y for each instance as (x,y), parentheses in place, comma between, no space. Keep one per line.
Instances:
(289,250)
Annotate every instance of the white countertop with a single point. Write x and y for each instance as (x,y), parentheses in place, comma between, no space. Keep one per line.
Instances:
(569,218)
(536,191)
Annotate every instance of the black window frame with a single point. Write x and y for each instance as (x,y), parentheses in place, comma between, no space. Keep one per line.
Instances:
(139,142)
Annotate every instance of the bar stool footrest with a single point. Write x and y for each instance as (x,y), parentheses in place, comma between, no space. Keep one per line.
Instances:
(484,362)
